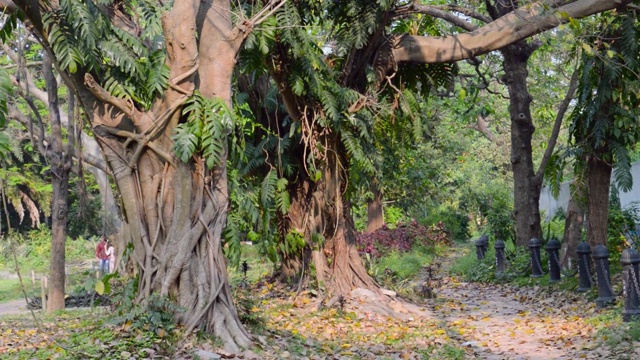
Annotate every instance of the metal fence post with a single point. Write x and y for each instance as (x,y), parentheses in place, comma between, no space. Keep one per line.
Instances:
(536,267)
(481,246)
(500,258)
(630,260)
(605,292)
(584,267)
(553,250)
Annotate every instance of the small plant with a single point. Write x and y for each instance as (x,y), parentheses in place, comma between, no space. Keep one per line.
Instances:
(472,270)
(156,315)
(247,306)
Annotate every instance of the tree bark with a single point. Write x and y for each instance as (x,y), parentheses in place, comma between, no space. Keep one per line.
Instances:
(375,210)
(60,161)
(522,23)
(526,186)
(598,186)
(319,211)
(175,211)
(572,228)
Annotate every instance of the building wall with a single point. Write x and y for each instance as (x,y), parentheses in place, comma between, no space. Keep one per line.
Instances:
(550,205)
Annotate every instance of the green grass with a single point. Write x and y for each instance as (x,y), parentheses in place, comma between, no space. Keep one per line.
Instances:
(33,251)
(10,289)
(404,265)
(259,266)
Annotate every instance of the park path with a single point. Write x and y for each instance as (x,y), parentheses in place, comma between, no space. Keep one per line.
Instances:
(13,307)
(509,322)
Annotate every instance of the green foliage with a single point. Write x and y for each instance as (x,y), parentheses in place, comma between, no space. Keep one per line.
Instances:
(554,228)
(620,225)
(499,215)
(209,122)
(472,270)
(155,316)
(393,216)
(246,303)
(293,243)
(455,221)
(604,118)
(10,289)
(33,250)
(401,266)
(84,39)
(5,92)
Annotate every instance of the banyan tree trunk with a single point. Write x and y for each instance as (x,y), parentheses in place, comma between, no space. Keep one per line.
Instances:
(175,211)
(319,211)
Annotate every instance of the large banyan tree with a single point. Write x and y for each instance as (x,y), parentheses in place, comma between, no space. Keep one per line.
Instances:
(144,72)
(156,76)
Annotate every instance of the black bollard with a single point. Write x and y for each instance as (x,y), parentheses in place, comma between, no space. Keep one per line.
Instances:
(630,260)
(536,267)
(553,253)
(485,242)
(584,266)
(605,292)
(481,247)
(500,259)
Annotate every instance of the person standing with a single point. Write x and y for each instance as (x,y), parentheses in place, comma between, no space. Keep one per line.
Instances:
(103,258)
(111,252)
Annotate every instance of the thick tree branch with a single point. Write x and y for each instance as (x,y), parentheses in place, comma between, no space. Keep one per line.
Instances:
(436,12)
(125,106)
(573,85)
(520,24)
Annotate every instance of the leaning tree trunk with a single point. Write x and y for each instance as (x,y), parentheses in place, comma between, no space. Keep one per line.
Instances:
(319,211)
(375,210)
(572,228)
(598,184)
(526,186)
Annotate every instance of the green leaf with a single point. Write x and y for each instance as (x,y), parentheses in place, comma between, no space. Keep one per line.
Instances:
(462,94)
(100,287)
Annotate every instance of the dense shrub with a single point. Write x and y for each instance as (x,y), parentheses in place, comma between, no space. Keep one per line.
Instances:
(621,230)
(404,237)
(455,220)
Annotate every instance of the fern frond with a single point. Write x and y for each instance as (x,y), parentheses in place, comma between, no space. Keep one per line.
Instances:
(268,189)
(622,167)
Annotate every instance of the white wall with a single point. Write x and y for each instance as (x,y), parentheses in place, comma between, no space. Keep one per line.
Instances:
(550,205)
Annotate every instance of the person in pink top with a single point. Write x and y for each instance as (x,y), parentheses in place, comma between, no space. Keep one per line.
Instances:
(111,252)
(101,255)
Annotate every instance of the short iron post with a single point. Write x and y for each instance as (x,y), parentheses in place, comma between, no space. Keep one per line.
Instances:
(485,242)
(536,267)
(553,254)
(481,247)
(630,260)
(584,267)
(605,292)
(500,258)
